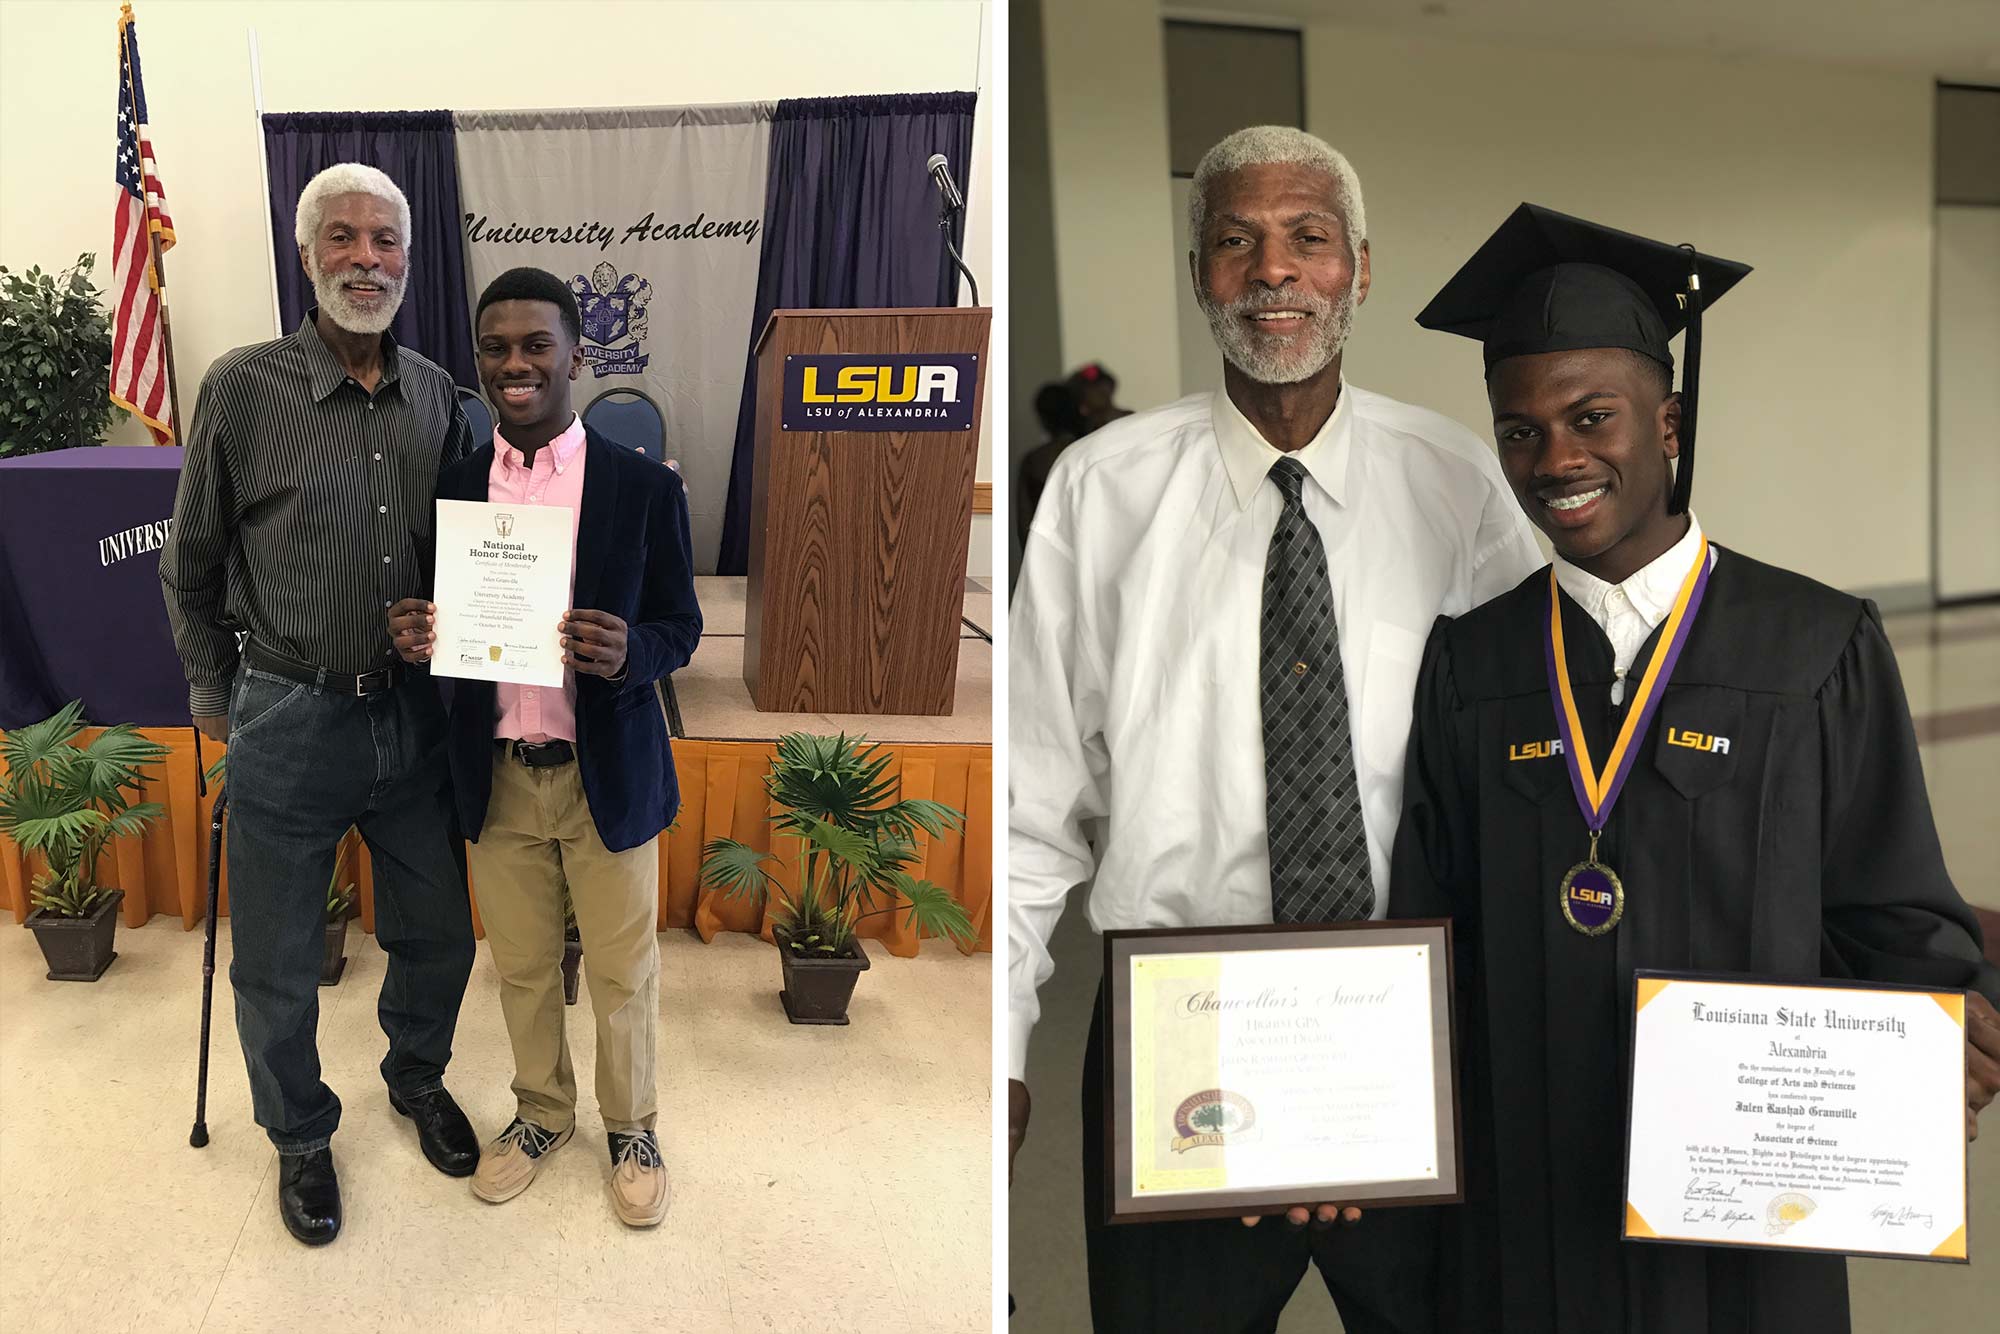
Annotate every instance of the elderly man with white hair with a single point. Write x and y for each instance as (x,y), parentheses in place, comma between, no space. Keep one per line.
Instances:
(1216,637)
(304,500)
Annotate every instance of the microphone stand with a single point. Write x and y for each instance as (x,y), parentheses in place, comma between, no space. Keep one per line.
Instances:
(945,212)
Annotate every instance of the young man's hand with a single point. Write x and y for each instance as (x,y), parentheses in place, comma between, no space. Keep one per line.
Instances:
(214,726)
(593,642)
(1982,1059)
(413,629)
(1298,1215)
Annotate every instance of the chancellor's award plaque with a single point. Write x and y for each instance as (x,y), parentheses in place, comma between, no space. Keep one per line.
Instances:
(1797,1116)
(1255,1068)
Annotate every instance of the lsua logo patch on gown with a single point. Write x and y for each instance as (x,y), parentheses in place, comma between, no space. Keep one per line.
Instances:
(1213,1117)
(613,307)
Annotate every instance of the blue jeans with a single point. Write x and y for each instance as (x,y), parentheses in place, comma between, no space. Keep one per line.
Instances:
(304,764)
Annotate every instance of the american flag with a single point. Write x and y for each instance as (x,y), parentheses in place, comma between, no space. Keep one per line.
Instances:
(139,374)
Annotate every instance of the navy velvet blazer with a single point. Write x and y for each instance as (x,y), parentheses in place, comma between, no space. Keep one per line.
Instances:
(634,560)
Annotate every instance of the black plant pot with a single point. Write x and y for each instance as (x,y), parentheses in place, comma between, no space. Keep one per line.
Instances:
(78,948)
(572,956)
(334,962)
(817,988)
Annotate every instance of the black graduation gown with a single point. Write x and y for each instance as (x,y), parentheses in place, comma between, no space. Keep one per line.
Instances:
(1805,850)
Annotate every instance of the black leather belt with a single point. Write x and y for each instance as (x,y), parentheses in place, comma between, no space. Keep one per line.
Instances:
(541,754)
(344,683)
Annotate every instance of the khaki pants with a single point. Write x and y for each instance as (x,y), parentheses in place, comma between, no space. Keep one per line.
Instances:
(537,835)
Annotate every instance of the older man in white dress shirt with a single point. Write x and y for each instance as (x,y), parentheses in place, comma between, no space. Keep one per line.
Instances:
(1216,637)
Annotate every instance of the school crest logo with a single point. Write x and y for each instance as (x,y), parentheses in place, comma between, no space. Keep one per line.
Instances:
(1785,1211)
(613,307)
(1212,1117)
(503,524)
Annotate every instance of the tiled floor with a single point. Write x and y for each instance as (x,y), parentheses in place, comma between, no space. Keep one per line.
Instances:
(1950,663)
(824,1179)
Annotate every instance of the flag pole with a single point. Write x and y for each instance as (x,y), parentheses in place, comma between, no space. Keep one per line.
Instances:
(166,335)
(157,273)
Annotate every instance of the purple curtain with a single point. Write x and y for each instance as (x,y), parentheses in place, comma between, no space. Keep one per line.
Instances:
(850,220)
(419,151)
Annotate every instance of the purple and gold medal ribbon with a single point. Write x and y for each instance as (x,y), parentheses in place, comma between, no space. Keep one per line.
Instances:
(1596,793)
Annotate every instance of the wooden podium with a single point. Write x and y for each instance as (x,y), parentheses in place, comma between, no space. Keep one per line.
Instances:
(858,530)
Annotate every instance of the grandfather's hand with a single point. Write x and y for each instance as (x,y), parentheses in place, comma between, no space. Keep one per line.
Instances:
(1299,1215)
(593,642)
(413,629)
(1019,1105)
(1982,1059)
(214,726)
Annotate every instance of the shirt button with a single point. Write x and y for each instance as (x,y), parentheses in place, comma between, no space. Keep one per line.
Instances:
(385,560)
(378,458)
(1298,669)
(381,509)
(385,603)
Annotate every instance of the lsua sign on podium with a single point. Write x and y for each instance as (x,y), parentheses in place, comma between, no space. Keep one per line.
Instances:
(880,392)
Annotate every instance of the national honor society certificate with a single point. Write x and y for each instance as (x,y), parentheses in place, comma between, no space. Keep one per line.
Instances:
(1282,1067)
(503,584)
(1825,1117)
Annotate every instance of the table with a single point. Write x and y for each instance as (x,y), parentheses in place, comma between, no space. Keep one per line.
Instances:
(81,613)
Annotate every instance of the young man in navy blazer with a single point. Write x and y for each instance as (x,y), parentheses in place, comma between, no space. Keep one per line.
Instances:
(571,785)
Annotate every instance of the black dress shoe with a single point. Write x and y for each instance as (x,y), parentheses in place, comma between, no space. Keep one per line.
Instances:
(309,1196)
(443,1131)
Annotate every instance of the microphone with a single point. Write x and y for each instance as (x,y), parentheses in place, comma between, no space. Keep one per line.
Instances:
(941,177)
(952,203)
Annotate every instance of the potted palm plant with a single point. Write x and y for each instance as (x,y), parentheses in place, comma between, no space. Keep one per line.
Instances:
(341,904)
(67,801)
(856,841)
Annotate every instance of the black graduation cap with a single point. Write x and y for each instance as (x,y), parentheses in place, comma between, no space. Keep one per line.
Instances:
(1548,282)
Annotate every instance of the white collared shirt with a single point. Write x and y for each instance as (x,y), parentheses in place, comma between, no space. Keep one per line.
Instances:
(1631,611)
(1136,760)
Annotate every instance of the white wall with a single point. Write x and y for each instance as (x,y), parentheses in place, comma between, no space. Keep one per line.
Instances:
(1968,400)
(1105,64)
(1815,444)
(56,111)
(1816,421)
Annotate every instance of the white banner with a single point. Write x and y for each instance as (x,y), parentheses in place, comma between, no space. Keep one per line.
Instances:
(654,217)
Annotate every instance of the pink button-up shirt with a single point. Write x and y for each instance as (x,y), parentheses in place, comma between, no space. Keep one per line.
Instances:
(540,713)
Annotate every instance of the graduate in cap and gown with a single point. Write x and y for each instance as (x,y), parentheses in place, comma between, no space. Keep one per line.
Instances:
(1773,819)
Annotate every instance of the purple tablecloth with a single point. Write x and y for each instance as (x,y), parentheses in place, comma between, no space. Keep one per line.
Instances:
(81,616)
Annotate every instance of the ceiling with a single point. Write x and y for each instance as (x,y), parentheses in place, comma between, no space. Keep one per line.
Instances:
(1956,41)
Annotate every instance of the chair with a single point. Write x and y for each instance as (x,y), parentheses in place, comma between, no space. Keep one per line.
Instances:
(478,414)
(631,419)
(628,417)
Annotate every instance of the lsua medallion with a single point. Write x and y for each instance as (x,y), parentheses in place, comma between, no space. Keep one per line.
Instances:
(1593,897)
(1212,1117)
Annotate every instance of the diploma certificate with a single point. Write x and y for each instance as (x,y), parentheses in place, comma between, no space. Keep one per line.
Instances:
(503,584)
(1256,1068)
(1819,1117)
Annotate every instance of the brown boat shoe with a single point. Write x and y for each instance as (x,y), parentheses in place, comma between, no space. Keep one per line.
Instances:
(639,1189)
(508,1165)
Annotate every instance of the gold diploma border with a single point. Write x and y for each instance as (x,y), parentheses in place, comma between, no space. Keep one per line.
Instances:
(1649,989)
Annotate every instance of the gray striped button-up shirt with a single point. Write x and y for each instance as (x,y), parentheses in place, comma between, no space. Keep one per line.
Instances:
(303,502)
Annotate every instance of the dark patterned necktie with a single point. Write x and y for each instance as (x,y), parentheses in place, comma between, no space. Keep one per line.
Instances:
(1319,849)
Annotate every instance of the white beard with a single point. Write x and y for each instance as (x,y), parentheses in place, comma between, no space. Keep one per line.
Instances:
(333,299)
(1303,357)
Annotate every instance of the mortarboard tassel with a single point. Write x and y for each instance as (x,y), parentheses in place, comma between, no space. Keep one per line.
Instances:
(1677,503)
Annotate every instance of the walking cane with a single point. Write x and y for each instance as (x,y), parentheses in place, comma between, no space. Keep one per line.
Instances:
(198,1137)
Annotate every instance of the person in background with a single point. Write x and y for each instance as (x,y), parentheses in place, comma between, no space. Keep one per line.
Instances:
(1062,422)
